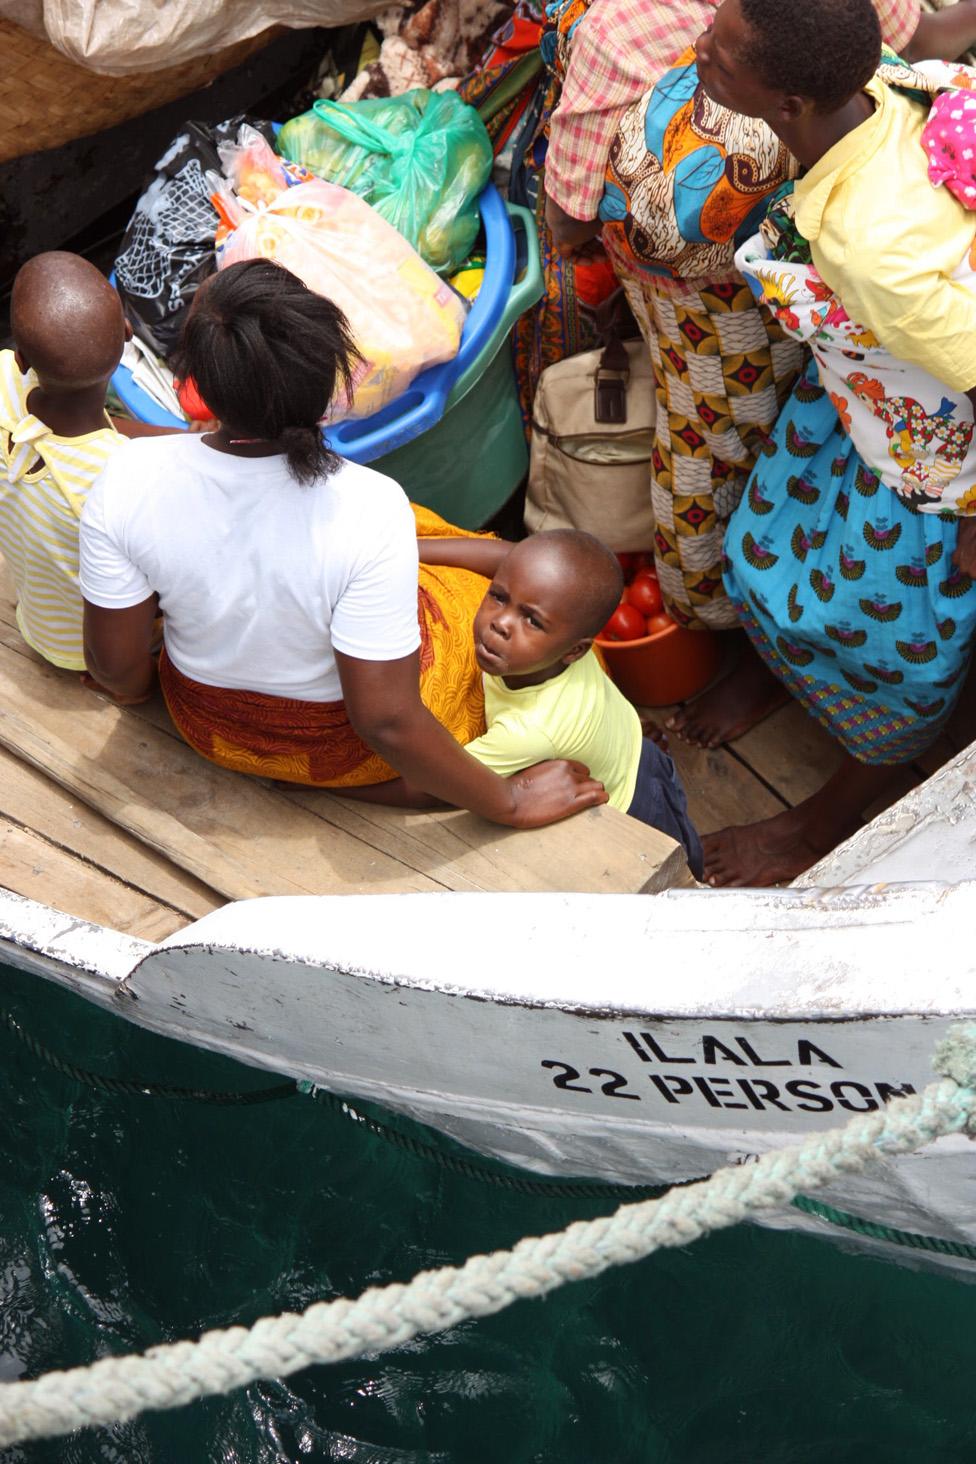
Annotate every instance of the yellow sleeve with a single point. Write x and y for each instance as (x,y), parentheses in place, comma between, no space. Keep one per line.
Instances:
(918,313)
(511,744)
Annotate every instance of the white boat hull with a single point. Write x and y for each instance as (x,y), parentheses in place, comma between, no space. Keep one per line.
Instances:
(619,1038)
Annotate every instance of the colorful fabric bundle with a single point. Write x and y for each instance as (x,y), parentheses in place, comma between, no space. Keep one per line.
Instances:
(687,180)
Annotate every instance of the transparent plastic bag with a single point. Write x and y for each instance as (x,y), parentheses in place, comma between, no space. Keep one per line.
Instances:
(403,317)
(421,159)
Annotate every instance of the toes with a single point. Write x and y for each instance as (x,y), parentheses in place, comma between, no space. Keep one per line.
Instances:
(653,732)
(690,732)
(722,866)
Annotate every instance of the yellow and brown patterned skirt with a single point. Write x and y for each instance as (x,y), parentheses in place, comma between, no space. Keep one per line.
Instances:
(313,742)
(723,369)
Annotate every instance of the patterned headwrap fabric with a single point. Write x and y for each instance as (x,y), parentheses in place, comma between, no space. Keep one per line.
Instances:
(686,178)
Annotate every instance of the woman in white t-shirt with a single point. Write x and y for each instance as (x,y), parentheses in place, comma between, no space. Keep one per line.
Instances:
(296,645)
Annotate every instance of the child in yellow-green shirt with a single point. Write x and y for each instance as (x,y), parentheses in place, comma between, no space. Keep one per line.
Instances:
(546,694)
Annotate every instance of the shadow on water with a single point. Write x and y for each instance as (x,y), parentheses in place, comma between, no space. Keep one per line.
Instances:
(129,1221)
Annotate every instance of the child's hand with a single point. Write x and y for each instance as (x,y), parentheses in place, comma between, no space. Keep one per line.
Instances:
(209,424)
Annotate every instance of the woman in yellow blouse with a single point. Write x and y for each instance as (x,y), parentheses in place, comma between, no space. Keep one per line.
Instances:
(857,596)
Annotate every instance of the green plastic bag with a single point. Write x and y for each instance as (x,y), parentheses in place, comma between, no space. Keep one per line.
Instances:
(421,160)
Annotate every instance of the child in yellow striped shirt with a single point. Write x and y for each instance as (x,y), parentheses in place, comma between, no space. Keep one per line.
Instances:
(55,438)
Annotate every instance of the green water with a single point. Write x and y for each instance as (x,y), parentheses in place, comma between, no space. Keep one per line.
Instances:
(130,1221)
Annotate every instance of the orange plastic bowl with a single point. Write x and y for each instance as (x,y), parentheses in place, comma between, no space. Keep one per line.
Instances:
(667,667)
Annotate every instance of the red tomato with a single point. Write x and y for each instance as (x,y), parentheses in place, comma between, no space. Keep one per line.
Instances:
(661,621)
(645,594)
(628,563)
(645,559)
(626,623)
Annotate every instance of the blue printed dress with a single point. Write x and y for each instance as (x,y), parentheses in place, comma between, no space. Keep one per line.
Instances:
(838,557)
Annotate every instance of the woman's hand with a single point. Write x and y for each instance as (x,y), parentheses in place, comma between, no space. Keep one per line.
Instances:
(964,557)
(572,237)
(551,791)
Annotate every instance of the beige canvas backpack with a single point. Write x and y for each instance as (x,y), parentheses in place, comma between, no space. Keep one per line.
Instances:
(592,437)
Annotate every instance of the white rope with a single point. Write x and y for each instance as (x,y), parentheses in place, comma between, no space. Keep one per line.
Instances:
(115,1389)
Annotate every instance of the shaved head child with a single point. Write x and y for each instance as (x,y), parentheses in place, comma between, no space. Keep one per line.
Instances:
(546,693)
(55,437)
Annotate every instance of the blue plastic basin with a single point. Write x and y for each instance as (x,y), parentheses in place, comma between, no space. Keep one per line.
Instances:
(423,403)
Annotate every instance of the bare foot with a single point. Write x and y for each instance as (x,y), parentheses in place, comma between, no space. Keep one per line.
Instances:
(773,851)
(777,849)
(735,704)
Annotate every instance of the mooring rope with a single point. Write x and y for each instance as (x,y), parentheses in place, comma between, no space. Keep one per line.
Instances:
(464,1165)
(139,1087)
(115,1389)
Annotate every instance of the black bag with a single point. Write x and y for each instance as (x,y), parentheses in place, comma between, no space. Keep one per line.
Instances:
(168,248)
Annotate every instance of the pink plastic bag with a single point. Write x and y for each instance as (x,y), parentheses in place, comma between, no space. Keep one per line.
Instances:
(404,318)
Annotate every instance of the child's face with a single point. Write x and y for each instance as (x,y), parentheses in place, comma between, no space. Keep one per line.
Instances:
(526,628)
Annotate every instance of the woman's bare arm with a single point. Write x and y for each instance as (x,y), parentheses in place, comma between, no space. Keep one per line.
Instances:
(383,703)
(118,649)
(945,34)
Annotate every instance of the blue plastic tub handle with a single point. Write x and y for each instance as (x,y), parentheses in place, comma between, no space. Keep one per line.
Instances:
(422,404)
(373,437)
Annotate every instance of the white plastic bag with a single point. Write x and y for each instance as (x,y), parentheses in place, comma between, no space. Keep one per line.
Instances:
(403,317)
(120,37)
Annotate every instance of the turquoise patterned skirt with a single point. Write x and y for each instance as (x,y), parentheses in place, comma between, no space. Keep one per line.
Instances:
(848,594)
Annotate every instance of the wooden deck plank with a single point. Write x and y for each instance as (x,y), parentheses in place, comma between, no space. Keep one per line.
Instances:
(230,832)
(39,870)
(245,838)
(31,799)
(600,850)
(462,852)
(721,790)
(792,752)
